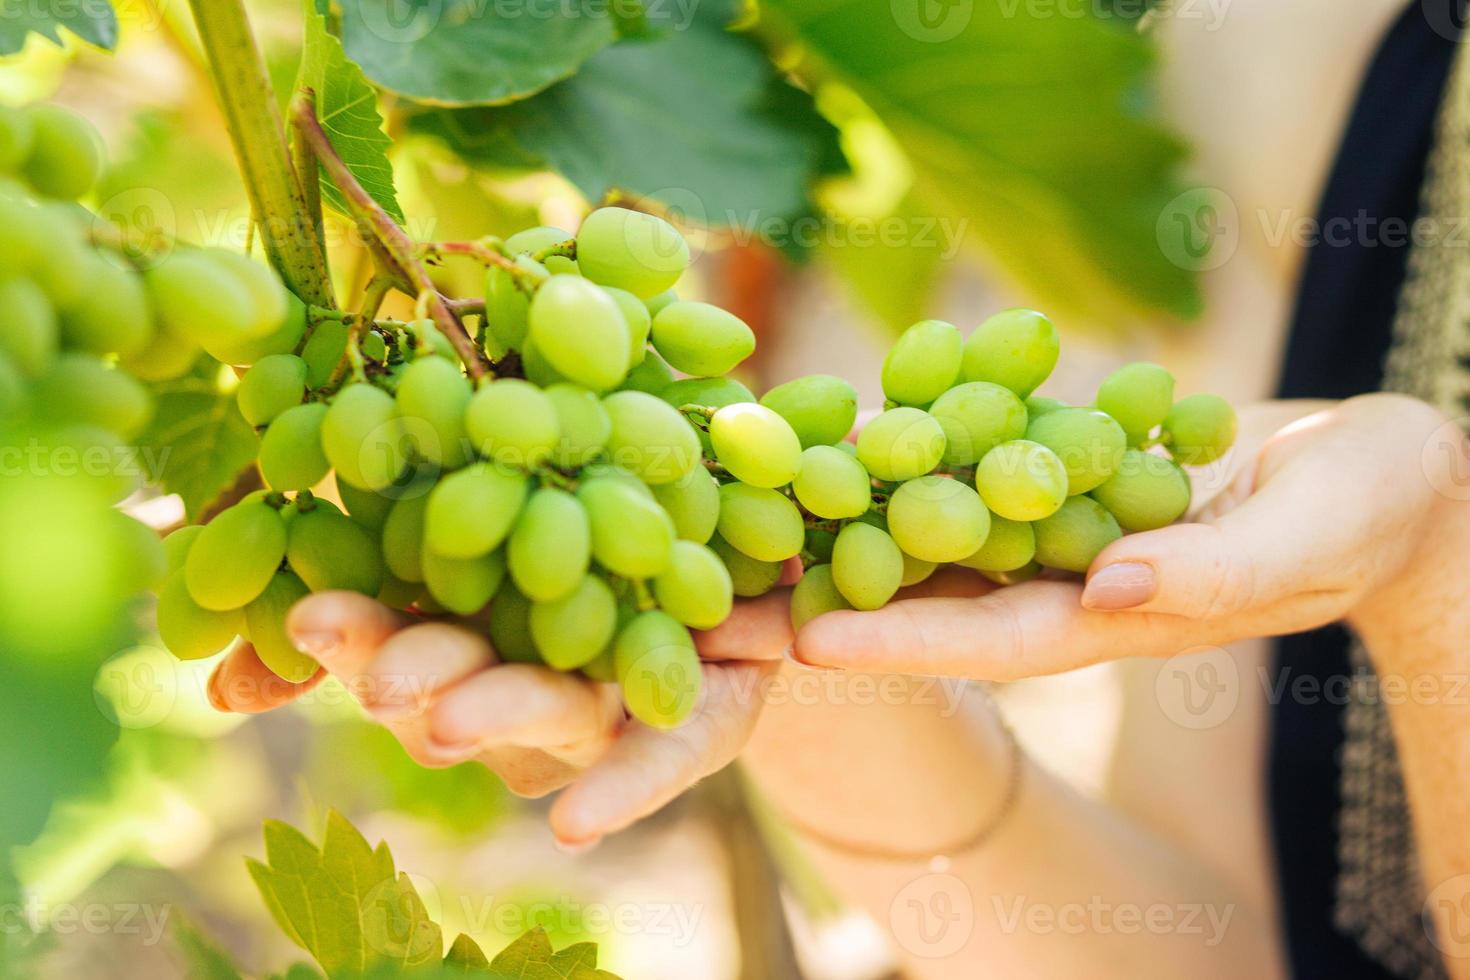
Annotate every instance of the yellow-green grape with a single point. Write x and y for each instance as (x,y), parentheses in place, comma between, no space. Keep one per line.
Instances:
(632,535)
(693,503)
(176,545)
(923,363)
(1009,545)
(303,504)
(583,426)
(513,423)
(463,585)
(821,408)
(755,444)
(265,622)
(66,154)
(651,375)
(749,577)
(510,626)
(396,593)
(403,538)
(900,444)
(818,545)
(701,338)
(916,570)
(166,356)
(695,588)
(328,550)
(1021,480)
(1088,442)
(976,417)
(815,593)
(603,668)
(432,399)
(291,453)
(538,370)
(1138,396)
(709,393)
(831,484)
(188,630)
(363,437)
(1015,576)
(658,302)
(323,351)
(427,337)
(637,320)
(580,332)
(80,389)
(658,669)
(17,136)
(1146,492)
(1015,349)
(507,304)
(1199,429)
(760,522)
(536,239)
(649,437)
(867,566)
(270,301)
(235,555)
(285,338)
(200,299)
(272,385)
(602,469)
(111,315)
(471,511)
(937,519)
(550,546)
(1072,537)
(31,335)
(364,506)
(572,630)
(638,252)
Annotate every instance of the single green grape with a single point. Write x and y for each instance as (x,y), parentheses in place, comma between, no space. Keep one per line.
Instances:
(659,301)
(658,669)
(818,545)
(433,398)
(916,570)
(693,503)
(291,454)
(366,507)
(536,239)
(831,484)
(200,299)
(1009,545)
(17,136)
(709,393)
(900,444)
(65,156)
(649,437)
(363,437)
(285,338)
(820,407)
(867,566)
(749,577)
(1145,493)
(632,535)
(328,550)
(463,585)
(507,304)
(651,375)
(538,369)
(700,338)
(1199,429)
(111,315)
(1089,443)
(270,301)
(637,320)
(272,385)
(81,389)
(1138,396)
(976,417)
(815,593)
(583,425)
(1072,537)
(471,511)
(166,357)
(323,351)
(1015,349)
(580,332)
(426,337)
(513,423)
(638,252)
(235,555)
(551,545)
(265,622)
(31,336)
(403,538)
(1039,405)
(937,519)
(572,630)
(755,445)
(760,522)
(176,546)
(1021,480)
(188,630)
(695,588)
(510,626)
(923,363)
(398,594)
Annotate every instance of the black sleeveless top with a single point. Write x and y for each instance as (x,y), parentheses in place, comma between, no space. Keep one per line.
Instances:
(1339,337)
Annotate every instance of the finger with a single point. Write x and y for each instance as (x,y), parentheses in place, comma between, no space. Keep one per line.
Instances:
(528,707)
(413,665)
(949,580)
(342,630)
(242,683)
(648,767)
(758,629)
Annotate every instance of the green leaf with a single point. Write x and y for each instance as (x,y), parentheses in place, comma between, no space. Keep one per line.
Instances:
(198,443)
(204,959)
(347,106)
(531,958)
(93,22)
(465,956)
(471,52)
(1037,128)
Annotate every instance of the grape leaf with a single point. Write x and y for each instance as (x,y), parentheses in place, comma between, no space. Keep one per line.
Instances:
(198,443)
(93,21)
(531,958)
(347,106)
(473,52)
(204,959)
(1035,127)
(465,956)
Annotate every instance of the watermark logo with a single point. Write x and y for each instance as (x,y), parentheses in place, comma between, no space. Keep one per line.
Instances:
(1445,460)
(932,21)
(1446,915)
(1199,230)
(1199,688)
(933,916)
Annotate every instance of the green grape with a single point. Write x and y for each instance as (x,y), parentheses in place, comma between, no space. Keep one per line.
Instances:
(976,417)
(111,314)
(1009,545)
(177,544)
(66,153)
(31,335)
(188,630)
(820,407)
(1015,576)
(550,546)
(632,535)
(303,503)
(272,385)
(510,626)
(17,136)
(328,550)
(1199,429)
(291,454)
(867,566)
(80,389)
(937,519)
(1072,537)
(755,444)
(815,594)
(582,423)
(649,437)
(199,298)
(700,338)
(363,437)
(265,623)
(235,555)
(536,239)
(832,484)
(658,302)
(749,577)
(693,502)
(572,630)
(695,589)
(900,444)
(760,522)
(637,320)
(580,332)
(603,668)
(658,669)
(463,585)
(1015,349)
(471,511)
(62,267)
(651,375)
(427,337)
(819,544)
(1145,493)
(604,469)
(923,363)
(283,339)
(562,265)
(513,423)
(709,392)
(403,538)
(396,593)
(916,570)
(1039,405)
(1021,480)
(270,301)
(432,400)
(323,351)
(1137,396)
(638,252)
(507,305)
(366,507)
(1088,442)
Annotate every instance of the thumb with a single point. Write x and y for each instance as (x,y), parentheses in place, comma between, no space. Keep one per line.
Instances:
(1194,570)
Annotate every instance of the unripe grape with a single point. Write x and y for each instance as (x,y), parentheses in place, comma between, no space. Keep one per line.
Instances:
(165,357)
(200,299)
(937,519)
(1015,349)
(432,399)
(265,621)
(81,389)
(900,444)
(656,303)
(658,669)
(513,423)
(176,546)
(695,588)
(403,538)
(819,407)
(651,375)
(270,301)
(1072,537)
(701,339)
(1009,545)
(831,484)
(1199,429)
(923,363)
(638,252)
(235,555)
(650,438)
(867,566)
(272,385)
(755,444)
(709,392)
(187,629)
(428,338)
(537,369)
(749,577)
(291,454)
(463,585)
(323,351)
(363,437)
(632,536)
(580,331)
(396,593)
(471,511)
(760,522)
(1021,480)
(328,550)
(1089,443)
(510,626)
(507,306)
(572,630)
(637,320)
(693,503)
(815,593)
(111,315)
(284,338)
(916,570)
(17,136)
(976,417)
(31,335)
(1039,405)
(818,545)
(1146,492)
(1138,396)
(582,424)
(550,546)
(366,507)
(66,152)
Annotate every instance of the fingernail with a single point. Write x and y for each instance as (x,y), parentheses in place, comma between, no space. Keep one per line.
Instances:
(318,643)
(790,654)
(1121,586)
(574,848)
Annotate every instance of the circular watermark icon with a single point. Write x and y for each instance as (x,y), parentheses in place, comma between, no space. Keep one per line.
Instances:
(1447,19)
(398,21)
(932,21)
(141,220)
(397,917)
(1445,460)
(1199,688)
(1199,230)
(139,687)
(1446,915)
(933,916)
